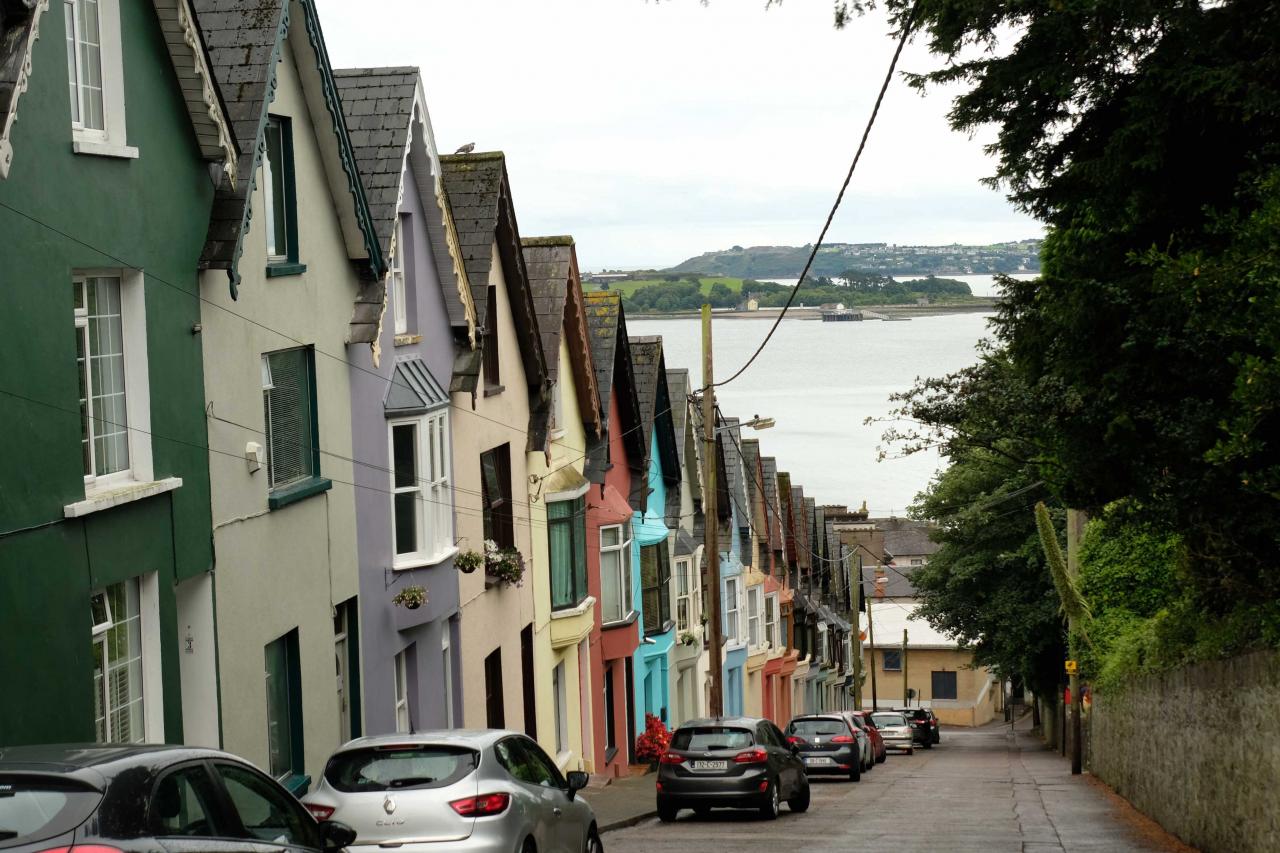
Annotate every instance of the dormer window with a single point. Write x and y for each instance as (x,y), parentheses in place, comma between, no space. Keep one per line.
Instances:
(95,77)
(280,199)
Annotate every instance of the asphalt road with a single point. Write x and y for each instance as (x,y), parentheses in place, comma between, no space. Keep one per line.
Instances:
(983,790)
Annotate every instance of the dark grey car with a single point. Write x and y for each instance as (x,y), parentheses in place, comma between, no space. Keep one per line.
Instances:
(150,799)
(730,762)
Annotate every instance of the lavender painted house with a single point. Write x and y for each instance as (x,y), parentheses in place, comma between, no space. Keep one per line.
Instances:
(400,410)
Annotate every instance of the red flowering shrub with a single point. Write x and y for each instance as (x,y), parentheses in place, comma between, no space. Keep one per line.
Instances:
(653,743)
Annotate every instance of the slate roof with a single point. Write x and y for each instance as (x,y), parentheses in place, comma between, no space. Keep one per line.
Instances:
(649,370)
(799,521)
(548,268)
(413,389)
(678,386)
(772,507)
(611,354)
(906,537)
(479,194)
(19,24)
(244,39)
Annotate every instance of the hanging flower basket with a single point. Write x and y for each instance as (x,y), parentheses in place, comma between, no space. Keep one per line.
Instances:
(410,598)
(503,565)
(688,638)
(468,561)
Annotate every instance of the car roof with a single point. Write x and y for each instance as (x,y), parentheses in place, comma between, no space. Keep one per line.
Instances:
(743,722)
(96,762)
(474,738)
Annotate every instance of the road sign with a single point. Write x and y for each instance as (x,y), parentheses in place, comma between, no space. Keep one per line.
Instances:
(1072,667)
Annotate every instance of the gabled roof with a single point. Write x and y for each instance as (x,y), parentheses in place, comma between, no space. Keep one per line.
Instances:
(649,368)
(479,194)
(678,386)
(382,108)
(773,508)
(800,522)
(552,264)
(20,28)
(611,354)
(244,38)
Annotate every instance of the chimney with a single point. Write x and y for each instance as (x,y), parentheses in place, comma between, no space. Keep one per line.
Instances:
(882,580)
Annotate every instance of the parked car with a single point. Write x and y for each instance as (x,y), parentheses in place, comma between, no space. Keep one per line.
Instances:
(863,719)
(730,762)
(925,725)
(865,746)
(828,744)
(896,730)
(140,799)
(454,790)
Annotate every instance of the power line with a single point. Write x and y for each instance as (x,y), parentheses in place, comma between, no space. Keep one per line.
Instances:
(813,253)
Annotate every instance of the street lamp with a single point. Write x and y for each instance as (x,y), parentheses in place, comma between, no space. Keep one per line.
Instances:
(756,423)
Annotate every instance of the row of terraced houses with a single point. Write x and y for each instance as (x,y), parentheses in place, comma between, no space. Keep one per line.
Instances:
(355,455)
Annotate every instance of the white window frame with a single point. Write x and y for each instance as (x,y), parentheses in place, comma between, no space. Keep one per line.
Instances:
(400,678)
(446,658)
(133,330)
(624,570)
(755,617)
(731,610)
(684,592)
(771,625)
(434,515)
(149,687)
(395,271)
(110,140)
(824,643)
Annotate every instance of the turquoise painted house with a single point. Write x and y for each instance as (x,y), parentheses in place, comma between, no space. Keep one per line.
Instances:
(651,538)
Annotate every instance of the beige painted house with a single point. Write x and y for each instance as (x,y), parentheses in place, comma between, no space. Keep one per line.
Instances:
(293,233)
(564,612)
(501,405)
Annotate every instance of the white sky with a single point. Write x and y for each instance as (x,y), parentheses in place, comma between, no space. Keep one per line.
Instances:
(652,132)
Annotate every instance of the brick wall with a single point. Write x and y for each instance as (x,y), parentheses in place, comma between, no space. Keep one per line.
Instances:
(1198,749)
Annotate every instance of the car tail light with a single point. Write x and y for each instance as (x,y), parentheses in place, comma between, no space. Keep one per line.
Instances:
(751,756)
(671,758)
(842,739)
(795,741)
(482,806)
(319,812)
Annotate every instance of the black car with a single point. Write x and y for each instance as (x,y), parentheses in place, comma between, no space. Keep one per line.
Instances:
(924,725)
(730,762)
(828,744)
(150,799)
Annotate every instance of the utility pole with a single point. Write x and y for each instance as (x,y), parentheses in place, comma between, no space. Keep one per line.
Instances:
(906,691)
(1075,531)
(871,638)
(711,551)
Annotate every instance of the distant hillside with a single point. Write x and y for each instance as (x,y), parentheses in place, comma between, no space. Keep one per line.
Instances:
(884,258)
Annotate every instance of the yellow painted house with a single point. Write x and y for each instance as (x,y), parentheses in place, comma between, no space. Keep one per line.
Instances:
(564,612)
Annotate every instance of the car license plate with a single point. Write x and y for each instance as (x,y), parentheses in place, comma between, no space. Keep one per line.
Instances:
(710,765)
(816,760)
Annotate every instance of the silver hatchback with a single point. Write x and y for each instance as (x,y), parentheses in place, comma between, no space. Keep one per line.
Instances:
(453,790)
(895,728)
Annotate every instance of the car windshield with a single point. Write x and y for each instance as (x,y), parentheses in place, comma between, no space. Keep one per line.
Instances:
(883,720)
(402,766)
(818,727)
(32,810)
(709,738)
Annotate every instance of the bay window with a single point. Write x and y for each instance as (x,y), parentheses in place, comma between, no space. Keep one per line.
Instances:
(615,573)
(684,595)
(731,609)
(655,585)
(422,517)
(567,532)
(753,616)
(771,620)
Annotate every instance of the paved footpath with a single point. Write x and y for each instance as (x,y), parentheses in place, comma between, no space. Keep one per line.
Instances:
(982,790)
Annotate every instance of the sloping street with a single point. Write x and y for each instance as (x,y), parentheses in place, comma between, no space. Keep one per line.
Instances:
(979,790)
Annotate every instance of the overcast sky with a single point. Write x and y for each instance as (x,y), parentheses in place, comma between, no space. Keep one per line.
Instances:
(652,132)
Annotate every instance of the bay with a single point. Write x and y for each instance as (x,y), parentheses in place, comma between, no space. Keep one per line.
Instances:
(981,285)
(820,381)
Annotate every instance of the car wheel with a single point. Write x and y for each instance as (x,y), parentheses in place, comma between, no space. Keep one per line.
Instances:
(855,774)
(928,744)
(667,813)
(882,757)
(911,750)
(702,811)
(528,846)
(593,842)
(800,802)
(773,804)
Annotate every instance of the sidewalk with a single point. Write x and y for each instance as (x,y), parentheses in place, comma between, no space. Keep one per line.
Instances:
(623,802)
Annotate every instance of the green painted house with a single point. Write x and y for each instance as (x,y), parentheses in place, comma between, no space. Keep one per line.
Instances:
(112,139)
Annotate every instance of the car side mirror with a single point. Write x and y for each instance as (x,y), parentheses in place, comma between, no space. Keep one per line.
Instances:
(336,834)
(577,780)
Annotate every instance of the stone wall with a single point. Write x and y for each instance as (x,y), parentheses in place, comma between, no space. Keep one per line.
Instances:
(1198,749)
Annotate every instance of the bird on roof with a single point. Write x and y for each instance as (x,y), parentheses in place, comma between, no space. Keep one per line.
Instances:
(466,149)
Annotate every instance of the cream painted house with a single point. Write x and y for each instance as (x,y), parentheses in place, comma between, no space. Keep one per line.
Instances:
(564,611)
(288,248)
(501,404)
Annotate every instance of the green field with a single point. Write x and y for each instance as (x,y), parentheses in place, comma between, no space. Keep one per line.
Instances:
(626,288)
